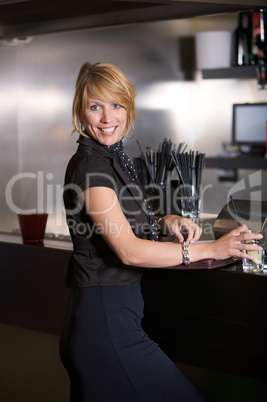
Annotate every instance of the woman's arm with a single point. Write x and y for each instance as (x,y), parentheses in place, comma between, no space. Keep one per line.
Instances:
(104,209)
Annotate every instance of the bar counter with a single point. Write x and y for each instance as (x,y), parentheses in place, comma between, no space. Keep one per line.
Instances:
(32,290)
(209,318)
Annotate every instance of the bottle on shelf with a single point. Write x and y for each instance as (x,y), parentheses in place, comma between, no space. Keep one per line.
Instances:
(259,32)
(252,48)
(240,43)
(260,40)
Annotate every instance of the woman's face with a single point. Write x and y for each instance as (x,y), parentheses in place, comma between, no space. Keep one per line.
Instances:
(104,121)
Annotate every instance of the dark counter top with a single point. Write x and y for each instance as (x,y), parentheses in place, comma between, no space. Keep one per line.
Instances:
(15,238)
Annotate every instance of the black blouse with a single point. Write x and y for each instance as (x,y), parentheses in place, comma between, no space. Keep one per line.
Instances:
(93,263)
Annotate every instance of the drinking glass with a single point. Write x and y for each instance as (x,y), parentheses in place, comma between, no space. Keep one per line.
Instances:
(32,227)
(257,264)
(190,201)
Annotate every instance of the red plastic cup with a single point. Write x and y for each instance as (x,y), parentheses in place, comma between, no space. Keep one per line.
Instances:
(32,227)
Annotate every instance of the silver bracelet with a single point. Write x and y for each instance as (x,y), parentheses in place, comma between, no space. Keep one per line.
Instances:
(185,253)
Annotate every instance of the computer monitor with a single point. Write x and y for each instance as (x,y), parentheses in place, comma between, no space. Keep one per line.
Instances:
(250,125)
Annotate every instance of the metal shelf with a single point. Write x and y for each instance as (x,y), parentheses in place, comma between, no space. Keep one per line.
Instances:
(240,162)
(233,72)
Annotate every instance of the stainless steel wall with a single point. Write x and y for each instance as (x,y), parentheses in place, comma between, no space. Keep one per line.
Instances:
(36,89)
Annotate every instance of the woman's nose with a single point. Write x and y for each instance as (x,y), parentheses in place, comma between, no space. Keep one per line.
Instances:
(106,116)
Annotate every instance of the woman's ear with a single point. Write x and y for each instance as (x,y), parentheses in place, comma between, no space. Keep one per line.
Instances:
(81,126)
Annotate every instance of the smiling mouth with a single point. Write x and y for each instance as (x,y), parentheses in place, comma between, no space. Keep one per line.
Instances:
(108,131)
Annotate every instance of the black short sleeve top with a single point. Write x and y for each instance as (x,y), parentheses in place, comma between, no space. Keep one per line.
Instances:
(93,263)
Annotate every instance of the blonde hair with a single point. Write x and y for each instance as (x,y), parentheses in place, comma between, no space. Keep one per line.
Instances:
(106,82)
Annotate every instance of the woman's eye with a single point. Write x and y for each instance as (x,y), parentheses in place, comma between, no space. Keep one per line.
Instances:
(95,107)
(116,106)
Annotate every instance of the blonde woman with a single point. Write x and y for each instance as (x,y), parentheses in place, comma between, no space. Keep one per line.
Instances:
(108,356)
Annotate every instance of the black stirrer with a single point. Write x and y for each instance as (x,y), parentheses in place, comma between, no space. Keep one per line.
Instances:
(237,217)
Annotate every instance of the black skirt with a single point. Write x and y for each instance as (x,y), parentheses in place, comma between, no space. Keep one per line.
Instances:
(110,358)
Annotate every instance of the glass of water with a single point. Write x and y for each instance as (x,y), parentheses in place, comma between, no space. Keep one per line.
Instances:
(257,264)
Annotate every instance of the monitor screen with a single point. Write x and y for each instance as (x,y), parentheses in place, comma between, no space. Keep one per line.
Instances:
(249,124)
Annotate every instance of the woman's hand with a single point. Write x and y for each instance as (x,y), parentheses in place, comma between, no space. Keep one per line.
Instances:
(181,228)
(232,244)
